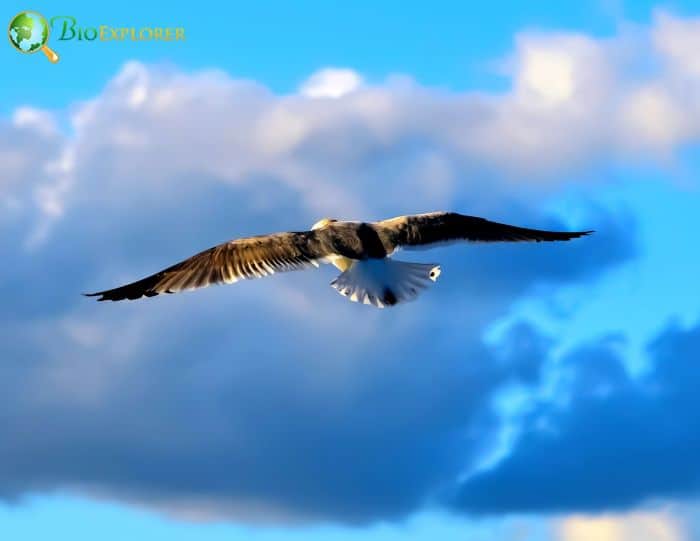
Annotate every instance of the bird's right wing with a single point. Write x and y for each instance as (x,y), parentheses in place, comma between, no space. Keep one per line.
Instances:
(440,227)
(251,257)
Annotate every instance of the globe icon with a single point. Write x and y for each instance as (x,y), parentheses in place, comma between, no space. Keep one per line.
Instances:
(29,32)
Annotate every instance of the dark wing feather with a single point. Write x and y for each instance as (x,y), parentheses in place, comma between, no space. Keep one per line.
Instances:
(251,257)
(438,227)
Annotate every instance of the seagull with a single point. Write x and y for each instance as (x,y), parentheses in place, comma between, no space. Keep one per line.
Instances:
(360,250)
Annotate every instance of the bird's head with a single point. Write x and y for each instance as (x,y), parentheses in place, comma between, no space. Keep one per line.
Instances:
(322,223)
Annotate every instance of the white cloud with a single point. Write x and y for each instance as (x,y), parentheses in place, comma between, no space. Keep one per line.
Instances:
(548,74)
(655,119)
(574,102)
(678,40)
(636,526)
(331,83)
(37,119)
(561,69)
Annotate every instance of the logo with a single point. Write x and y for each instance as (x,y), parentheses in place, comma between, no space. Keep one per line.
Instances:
(29,33)
(69,29)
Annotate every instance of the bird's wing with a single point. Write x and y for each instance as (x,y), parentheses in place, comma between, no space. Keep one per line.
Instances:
(440,227)
(235,260)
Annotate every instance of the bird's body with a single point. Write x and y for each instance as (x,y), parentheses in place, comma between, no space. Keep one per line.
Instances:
(360,250)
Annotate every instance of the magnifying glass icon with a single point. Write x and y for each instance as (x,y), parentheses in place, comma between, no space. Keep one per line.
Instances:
(29,32)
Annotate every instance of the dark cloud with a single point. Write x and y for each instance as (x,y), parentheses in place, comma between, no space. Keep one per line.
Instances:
(618,442)
(278,394)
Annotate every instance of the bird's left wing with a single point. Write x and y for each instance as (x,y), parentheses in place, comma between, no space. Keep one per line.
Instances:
(440,227)
(251,257)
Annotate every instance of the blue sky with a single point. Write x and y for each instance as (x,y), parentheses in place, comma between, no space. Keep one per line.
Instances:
(536,392)
(279,43)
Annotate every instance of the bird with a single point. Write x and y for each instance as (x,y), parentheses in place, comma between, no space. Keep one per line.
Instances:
(362,251)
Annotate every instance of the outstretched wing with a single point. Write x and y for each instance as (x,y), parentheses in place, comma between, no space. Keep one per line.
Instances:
(227,263)
(440,227)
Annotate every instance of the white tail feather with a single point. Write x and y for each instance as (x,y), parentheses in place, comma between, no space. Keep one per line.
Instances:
(385,282)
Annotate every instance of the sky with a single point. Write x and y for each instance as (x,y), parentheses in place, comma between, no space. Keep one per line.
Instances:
(534,393)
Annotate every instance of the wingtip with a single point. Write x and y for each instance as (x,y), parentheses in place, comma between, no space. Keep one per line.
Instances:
(579,234)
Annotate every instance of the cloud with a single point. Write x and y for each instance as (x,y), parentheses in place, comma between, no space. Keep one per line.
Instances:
(617,442)
(331,83)
(675,38)
(574,102)
(277,398)
(638,526)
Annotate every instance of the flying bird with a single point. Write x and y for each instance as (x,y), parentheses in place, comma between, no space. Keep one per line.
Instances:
(360,250)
